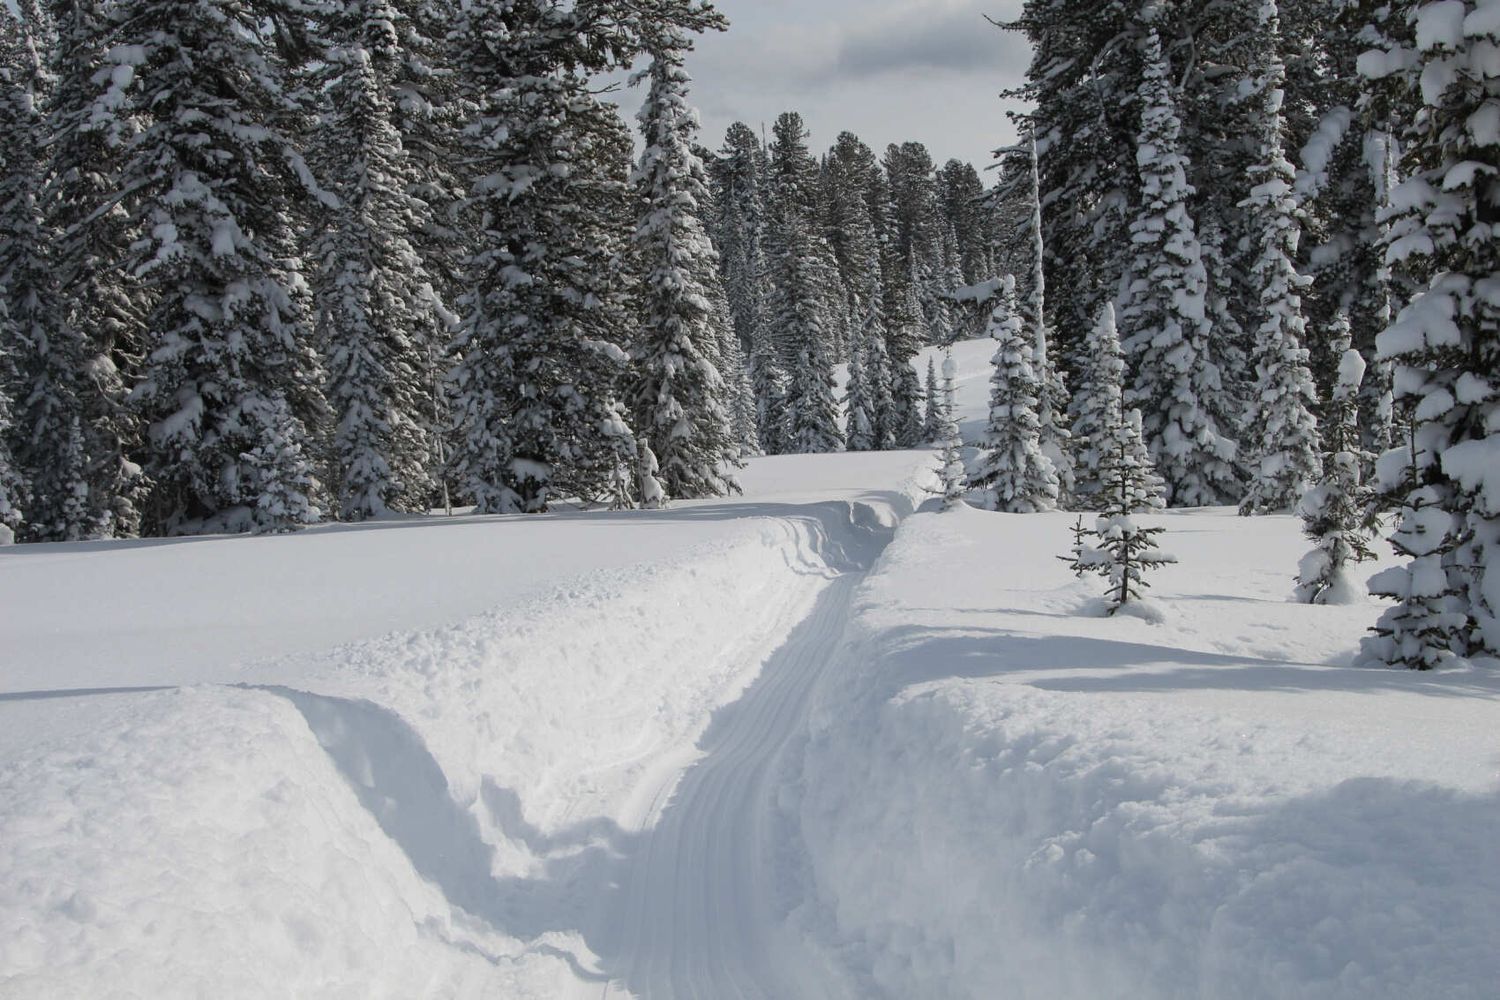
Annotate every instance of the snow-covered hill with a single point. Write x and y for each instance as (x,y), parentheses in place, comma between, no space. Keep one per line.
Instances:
(808,742)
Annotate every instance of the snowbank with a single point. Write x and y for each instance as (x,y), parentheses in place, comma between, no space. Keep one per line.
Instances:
(1007,798)
(435,811)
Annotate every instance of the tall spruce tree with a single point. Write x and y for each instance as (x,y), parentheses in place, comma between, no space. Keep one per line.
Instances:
(1283,452)
(102,305)
(1166,330)
(47,357)
(376,319)
(738,231)
(230,386)
(680,401)
(804,283)
(1446,343)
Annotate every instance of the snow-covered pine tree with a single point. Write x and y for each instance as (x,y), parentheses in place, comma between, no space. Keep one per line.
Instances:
(879,377)
(768,384)
(859,421)
(1446,343)
(653,492)
(1337,513)
(1014,473)
(230,385)
(1176,387)
(803,285)
(47,358)
(736,374)
(1052,395)
(951,471)
(680,402)
(102,305)
(375,317)
(1098,411)
(1283,450)
(932,418)
(538,359)
(738,231)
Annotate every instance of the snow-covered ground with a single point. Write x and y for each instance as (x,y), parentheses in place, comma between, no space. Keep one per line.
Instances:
(799,743)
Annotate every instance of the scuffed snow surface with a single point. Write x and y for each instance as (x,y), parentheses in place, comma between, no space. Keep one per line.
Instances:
(1005,797)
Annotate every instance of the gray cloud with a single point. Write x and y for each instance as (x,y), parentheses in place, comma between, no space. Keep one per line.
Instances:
(952,39)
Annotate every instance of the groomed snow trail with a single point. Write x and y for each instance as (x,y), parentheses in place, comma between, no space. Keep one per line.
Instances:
(696,914)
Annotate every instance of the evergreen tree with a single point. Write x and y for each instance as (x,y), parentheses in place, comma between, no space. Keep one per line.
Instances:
(1013,471)
(1284,447)
(1446,343)
(680,401)
(1177,388)
(1098,416)
(803,283)
(230,385)
(738,231)
(932,421)
(102,307)
(1052,397)
(951,472)
(48,357)
(768,383)
(859,419)
(1125,550)
(1337,513)
(879,378)
(375,314)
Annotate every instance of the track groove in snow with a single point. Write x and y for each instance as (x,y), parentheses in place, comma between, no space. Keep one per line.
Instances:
(695,913)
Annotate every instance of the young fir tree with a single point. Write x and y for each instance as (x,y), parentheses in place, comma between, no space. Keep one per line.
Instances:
(1052,395)
(680,401)
(230,385)
(1013,472)
(1337,513)
(1125,551)
(375,317)
(1283,452)
(803,285)
(1446,343)
(951,472)
(1176,387)
(102,305)
(932,419)
(1098,407)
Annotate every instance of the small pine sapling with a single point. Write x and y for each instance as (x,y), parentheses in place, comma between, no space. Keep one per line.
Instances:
(653,493)
(1124,550)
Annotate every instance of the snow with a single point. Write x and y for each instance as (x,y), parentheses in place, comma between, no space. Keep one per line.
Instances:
(1005,790)
(811,741)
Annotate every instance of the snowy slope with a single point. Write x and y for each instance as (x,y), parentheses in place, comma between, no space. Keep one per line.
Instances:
(1007,794)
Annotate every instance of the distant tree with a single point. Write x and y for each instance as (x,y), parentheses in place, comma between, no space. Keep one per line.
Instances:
(952,473)
(1013,472)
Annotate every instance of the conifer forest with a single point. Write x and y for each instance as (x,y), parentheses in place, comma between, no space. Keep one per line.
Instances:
(412,415)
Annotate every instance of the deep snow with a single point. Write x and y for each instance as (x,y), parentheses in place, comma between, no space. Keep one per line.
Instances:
(799,743)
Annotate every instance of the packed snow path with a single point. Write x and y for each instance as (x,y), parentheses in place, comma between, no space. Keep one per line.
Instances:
(697,913)
(696,910)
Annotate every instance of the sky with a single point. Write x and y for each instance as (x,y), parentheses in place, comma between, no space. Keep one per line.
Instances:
(887,70)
